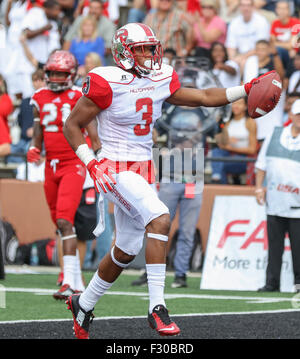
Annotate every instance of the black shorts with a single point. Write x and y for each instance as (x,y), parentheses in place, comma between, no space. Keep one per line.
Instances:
(86,216)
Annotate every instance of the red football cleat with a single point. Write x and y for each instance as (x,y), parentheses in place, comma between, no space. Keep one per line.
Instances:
(63,293)
(160,321)
(81,318)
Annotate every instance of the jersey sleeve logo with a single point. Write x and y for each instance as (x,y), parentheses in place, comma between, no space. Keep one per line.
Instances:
(71,95)
(86,85)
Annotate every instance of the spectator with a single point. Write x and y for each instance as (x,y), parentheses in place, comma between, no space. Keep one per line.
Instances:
(227,71)
(92,60)
(244,31)
(209,27)
(266,59)
(290,99)
(105,28)
(42,36)
(282,31)
(6,107)
(279,164)
(229,9)
(87,41)
(237,140)
(12,54)
(25,120)
(28,53)
(294,80)
(172,27)
(169,56)
(269,6)
(139,10)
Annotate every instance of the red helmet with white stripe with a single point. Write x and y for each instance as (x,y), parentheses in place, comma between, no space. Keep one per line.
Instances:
(123,48)
(63,62)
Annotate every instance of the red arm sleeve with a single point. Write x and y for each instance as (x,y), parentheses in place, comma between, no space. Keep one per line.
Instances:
(174,84)
(4,132)
(6,105)
(97,89)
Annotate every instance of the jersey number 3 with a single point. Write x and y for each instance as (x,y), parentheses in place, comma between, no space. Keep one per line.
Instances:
(143,130)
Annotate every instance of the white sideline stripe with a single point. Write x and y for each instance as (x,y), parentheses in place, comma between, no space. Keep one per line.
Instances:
(144,316)
(167,295)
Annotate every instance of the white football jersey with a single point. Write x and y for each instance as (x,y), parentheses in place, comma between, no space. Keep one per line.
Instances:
(129,105)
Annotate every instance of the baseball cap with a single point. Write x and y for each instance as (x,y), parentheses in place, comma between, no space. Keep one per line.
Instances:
(296,107)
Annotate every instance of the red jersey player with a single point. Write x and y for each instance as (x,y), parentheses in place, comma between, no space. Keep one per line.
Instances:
(64,171)
(127,100)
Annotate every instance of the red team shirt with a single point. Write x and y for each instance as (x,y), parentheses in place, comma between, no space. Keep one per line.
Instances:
(54,108)
(283,32)
(64,172)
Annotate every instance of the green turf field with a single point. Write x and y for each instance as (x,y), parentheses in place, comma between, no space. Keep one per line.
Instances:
(29,297)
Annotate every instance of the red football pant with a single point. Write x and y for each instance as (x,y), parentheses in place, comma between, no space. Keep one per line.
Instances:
(63,188)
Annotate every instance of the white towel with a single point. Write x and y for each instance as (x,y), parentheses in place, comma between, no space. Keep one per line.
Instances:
(101,224)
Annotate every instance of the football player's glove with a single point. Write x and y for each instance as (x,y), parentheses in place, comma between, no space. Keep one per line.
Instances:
(248,85)
(33,154)
(101,175)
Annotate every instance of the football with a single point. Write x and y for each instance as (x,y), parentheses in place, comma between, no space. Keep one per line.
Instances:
(264,95)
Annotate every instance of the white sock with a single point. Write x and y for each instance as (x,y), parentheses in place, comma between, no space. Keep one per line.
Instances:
(69,270)
(78,277)
(156,274)
(96,288)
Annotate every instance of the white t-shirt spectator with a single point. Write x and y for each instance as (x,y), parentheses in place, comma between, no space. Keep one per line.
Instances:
(294,82)
(225,78)
(243,36)
(34,20)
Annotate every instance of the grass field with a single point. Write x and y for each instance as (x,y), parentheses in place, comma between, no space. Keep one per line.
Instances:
(29,297)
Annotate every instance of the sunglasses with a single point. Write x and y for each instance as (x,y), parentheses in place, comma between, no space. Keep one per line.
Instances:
(207,7)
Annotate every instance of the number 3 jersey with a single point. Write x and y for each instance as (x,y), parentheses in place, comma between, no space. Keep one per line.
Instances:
(54,108)
(129,105)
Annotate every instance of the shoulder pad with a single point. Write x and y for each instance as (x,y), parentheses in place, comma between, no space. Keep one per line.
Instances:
(164,72)
(113,74)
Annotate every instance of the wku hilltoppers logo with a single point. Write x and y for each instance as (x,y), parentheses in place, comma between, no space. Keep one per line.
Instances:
(258,235)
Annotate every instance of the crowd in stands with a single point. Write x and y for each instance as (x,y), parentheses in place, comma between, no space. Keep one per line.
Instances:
(241,39)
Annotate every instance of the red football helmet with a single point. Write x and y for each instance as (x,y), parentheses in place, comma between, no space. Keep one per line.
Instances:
(64,62)
(123,48)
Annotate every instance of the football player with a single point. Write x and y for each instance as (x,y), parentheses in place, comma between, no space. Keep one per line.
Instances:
(127,100)
(64,171)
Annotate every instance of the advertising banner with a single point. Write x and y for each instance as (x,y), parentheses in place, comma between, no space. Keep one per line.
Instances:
(237,249)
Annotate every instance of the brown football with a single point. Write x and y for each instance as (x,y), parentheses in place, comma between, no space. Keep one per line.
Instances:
(264,95)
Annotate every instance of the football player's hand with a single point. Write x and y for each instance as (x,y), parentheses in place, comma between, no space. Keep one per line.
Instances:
(33,154)
(248,85)
(102,176)
(260,195)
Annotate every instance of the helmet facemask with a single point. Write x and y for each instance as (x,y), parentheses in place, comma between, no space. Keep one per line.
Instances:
(152,62)
(57,84)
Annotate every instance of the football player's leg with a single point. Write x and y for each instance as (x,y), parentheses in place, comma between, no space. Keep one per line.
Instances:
(129,241)
(69,195)
(51,190)
(140,201)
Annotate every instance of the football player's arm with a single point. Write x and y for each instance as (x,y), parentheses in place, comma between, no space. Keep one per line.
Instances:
(81,116)
(37,138)
(92,130)
(212,97)
(191,97)
(83,113)
(34,151)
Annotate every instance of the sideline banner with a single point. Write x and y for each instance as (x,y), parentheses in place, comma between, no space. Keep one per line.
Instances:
(236,253)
